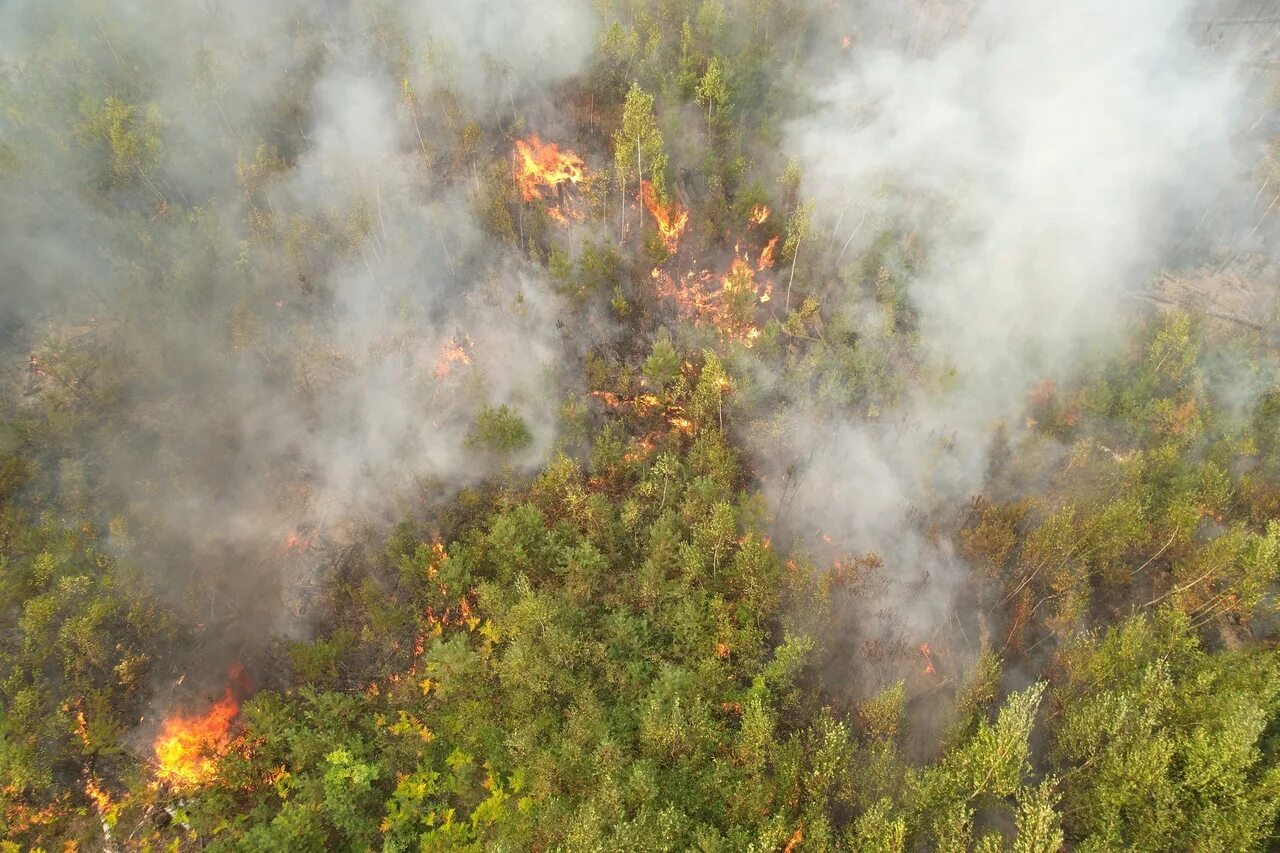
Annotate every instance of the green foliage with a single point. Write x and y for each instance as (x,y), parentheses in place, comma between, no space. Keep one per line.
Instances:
(662,367)
(637,144)
(130,136)
(713,89)
(1165,746)
(78,637)
(499,430)
(611,654)
(555,700)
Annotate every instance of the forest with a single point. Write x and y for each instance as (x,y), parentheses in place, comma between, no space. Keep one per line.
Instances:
(637,425)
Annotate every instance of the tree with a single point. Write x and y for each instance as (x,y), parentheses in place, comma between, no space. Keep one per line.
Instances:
(713,89)
(131,137)
(1163,746)
(662,367)
(499,430)
(637,145)
(798,226)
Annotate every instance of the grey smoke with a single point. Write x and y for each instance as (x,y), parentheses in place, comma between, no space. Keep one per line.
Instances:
(1048,157)
(270,386)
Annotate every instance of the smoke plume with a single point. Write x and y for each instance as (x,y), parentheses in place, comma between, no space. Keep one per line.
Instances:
(1034,164)
(262,220)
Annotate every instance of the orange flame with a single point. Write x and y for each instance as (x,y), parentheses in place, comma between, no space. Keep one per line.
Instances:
(730,307)
(101,799)
(759,215)
(845,41)
(452,353)
(188,746)
(671,220)
(82,728)
(928,659)
(641,404)
(766,255)
(541,167)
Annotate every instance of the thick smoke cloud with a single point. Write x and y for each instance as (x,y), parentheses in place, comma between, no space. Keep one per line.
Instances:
(1048,158)
(304,315)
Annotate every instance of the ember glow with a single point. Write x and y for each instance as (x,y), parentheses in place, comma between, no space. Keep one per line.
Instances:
(541,168)
(188,746)
(671,220)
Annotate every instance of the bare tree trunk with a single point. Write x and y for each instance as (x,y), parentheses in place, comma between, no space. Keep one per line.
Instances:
(786,308)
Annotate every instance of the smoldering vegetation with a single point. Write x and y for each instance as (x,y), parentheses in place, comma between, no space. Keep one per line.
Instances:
(722,421)
(349,322)
(993,190)
(256,225)
(264,228)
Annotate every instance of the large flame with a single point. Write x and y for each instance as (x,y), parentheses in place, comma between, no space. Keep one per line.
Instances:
(766,255)
(671,219)
(188,746)
(541,168)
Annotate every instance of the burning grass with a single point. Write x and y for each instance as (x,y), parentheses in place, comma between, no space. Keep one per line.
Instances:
(671,219)
(542,171)
(727,302)
(189,745)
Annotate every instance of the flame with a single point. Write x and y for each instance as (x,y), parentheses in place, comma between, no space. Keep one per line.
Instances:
(82,728)
(729,302)
(453,353)
(101,799)
(928,659)
(759,215)
(683,425)
(766,258)
(845,41)
(671,220)
(729,306)
(540,169)
(641,447)
(294,542)
(19,817)
(640,404)
(188,746)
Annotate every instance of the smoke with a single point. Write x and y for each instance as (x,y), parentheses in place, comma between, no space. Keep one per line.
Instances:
(277,224)
(265,218)
(1032,165)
